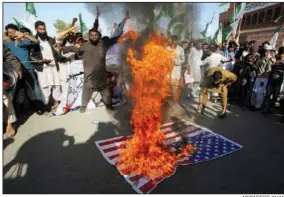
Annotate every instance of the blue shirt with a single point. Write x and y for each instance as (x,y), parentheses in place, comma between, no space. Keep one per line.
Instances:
(231,54)
(21,51)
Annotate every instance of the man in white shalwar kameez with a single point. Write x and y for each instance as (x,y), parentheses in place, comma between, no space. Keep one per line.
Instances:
(193,70)
(46,64)
(179,60)
(49,79)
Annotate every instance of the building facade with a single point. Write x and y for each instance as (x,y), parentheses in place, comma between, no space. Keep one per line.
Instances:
(259,21)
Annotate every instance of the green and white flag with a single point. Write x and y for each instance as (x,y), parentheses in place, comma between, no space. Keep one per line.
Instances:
(238,12)
(214,39)
(30,17)
(274,38)
(226,32)
(218,35)
(19,24)
(234,20)
(207,27)
(83,27)
(30,8)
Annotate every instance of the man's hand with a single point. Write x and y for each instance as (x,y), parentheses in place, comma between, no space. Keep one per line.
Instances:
(20,75)
(98,12)
(74,21)
(127,16)
(74,29)
(26,34)
(19,35)
(46,61)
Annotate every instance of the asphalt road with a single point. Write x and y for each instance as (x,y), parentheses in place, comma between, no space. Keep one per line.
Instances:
(57,155)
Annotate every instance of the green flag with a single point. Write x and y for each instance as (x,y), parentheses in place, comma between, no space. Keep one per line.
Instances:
(223,4)
(274,38)
(278,29)
(226,32)
(83,26)
(204,33)
(19,24)
(214,39)
(30,8)
(219,36)
(234,20)
(238,13)
(166,11)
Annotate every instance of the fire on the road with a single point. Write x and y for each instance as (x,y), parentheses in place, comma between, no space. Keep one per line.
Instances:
(145,153)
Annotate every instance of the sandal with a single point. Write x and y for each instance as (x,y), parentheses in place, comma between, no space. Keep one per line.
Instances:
(54,108)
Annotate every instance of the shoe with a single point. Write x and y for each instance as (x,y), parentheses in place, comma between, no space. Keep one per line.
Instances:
(118,102)
(222,115)
(82,109)
(54,107)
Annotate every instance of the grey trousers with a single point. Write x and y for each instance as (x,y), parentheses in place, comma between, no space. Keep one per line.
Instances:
(87,94)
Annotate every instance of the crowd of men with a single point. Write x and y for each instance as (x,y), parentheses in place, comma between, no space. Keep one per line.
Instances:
(253,71)
(250,74)
(35,67)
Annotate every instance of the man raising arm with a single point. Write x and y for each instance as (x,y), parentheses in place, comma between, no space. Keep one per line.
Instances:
(95,76)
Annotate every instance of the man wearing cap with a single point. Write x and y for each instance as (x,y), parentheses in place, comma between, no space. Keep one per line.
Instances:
(216,80)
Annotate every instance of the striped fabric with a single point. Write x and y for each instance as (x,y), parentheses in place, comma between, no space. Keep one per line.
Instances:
(209,146)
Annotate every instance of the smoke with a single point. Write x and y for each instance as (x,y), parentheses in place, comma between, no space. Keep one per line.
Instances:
(143,17)
(115,12)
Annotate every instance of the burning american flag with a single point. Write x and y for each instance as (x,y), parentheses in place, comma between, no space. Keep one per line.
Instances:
(208,145)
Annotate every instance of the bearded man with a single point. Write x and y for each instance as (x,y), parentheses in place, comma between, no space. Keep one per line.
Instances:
(94,60)
(46,60)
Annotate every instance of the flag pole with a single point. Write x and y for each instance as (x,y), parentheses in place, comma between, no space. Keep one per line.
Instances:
(234,11)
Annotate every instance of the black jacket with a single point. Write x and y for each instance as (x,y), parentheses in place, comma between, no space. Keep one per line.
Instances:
(36,55)
(9,58)
(277,73)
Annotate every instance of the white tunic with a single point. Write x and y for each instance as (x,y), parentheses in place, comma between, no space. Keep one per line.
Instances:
(49,76)
(214,60)
(179,60)
(194,61)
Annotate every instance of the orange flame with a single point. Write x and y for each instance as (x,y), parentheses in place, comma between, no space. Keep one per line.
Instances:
(145,153)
